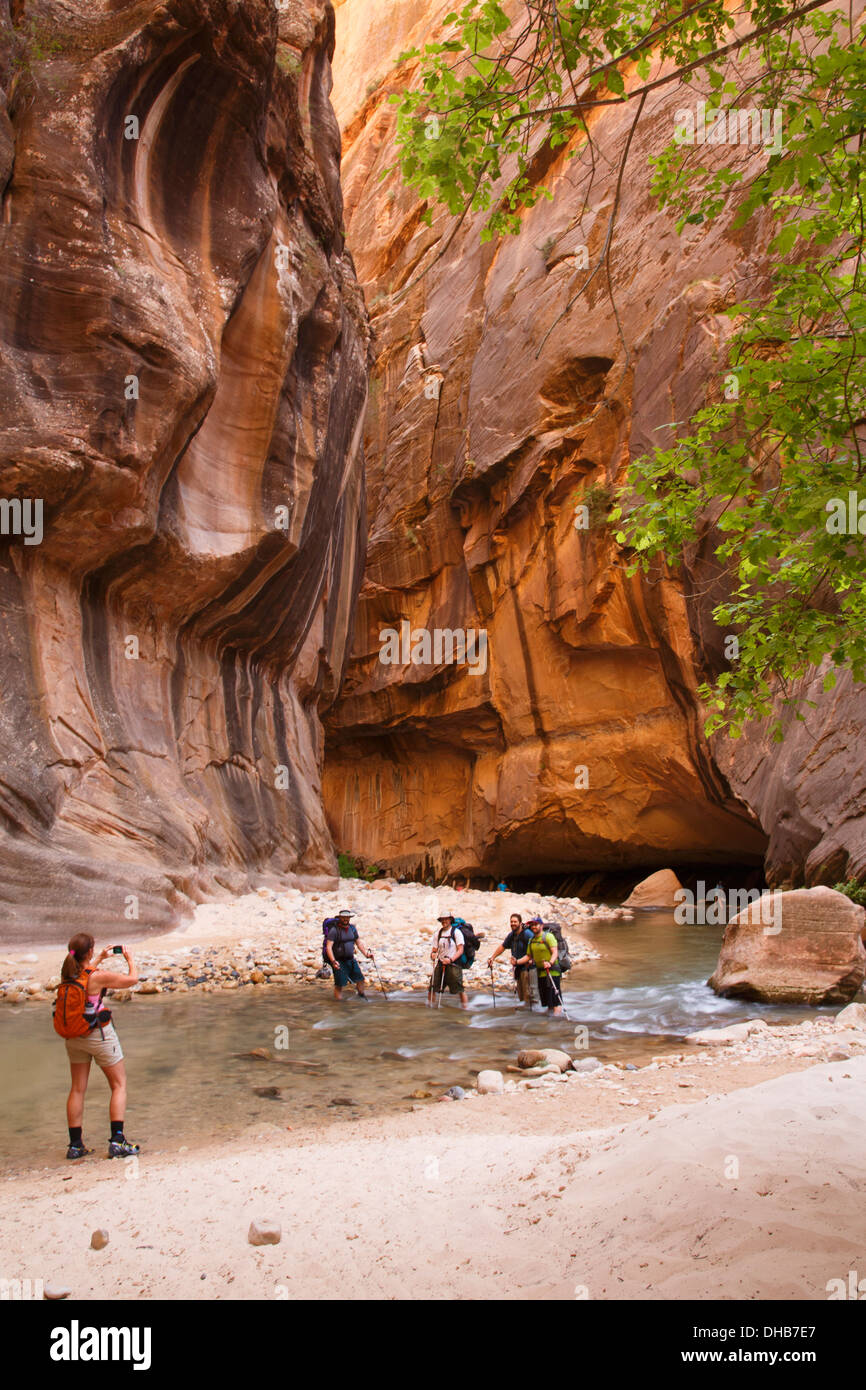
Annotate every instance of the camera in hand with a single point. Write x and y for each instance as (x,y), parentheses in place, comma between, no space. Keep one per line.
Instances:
(117,950)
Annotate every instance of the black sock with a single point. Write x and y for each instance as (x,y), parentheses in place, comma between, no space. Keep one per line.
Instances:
(75,1135)
(117,1129)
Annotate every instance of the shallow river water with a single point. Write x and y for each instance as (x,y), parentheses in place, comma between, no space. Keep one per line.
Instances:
(187,1084)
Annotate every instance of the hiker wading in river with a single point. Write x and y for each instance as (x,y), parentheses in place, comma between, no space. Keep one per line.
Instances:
(517,942)
(340,946)
(543,955)
(447,951)
(89,1032)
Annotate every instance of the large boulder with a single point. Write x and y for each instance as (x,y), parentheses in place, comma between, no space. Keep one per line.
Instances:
(807,950)
(659,890)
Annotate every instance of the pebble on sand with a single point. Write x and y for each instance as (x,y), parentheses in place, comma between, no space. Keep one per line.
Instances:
(99,1239)
(265,1232)
(490,1083)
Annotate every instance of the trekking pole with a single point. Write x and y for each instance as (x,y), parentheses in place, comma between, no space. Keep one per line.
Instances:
(441,984)
(379,977)
(552,980)
(492,984)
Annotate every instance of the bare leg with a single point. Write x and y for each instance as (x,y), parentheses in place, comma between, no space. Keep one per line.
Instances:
(116,1077)
(464,1001)
(75,1100)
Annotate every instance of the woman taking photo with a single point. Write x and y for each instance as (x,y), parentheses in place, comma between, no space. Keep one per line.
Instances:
(89,1032)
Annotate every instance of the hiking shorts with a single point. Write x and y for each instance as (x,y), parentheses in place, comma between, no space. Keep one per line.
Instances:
(549,987)
(453,978)
(521,981)
(105,1050)
(347,972)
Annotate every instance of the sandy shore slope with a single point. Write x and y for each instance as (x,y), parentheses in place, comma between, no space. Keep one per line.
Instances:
(758,1193)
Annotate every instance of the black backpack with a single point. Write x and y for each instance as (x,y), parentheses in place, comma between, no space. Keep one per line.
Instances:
(471,943)
(564,960)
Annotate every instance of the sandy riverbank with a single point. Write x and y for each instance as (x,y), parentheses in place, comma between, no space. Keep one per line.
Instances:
(275,937)
(750,1191)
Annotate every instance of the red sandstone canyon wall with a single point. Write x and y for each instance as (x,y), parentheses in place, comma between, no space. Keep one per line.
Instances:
(183,373)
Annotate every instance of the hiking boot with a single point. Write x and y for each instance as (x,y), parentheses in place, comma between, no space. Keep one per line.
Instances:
(77,1151)
(121,1148)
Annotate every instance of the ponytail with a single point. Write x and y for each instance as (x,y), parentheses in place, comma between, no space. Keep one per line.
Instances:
(80,947)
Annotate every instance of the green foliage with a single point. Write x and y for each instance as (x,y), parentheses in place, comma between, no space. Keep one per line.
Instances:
(349,866)
(32,42)
(854,890)
(782,436)
(598,500)
(288,62)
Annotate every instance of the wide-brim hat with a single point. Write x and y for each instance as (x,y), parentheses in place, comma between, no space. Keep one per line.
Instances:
(446,917)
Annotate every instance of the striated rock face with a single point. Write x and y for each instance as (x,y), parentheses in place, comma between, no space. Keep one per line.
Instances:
(182,376)
(809,791)
(804,947)
(577,743)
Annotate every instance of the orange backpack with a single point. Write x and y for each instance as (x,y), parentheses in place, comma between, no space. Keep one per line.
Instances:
(70,1018)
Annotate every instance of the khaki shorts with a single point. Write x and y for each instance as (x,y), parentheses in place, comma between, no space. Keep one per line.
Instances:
(104,1050)
(453,979)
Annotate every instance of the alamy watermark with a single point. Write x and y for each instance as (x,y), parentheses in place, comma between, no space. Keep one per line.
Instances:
(443,646)
(718,907)
(719,126)
(22,517)
(855,1288)
(846,518)
(21,1290)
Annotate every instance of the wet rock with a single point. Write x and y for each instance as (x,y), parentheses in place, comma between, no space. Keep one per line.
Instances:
(456,1092)
(546,1056)
(149,987)
(490,1083)
(268,1092)
(99,1239)
(342,1100)
(265,1232)
(257,977)
(723,1037)
(54,1292)
(421,1095)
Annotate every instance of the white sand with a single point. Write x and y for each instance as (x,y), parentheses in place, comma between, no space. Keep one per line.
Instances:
(489,1199)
